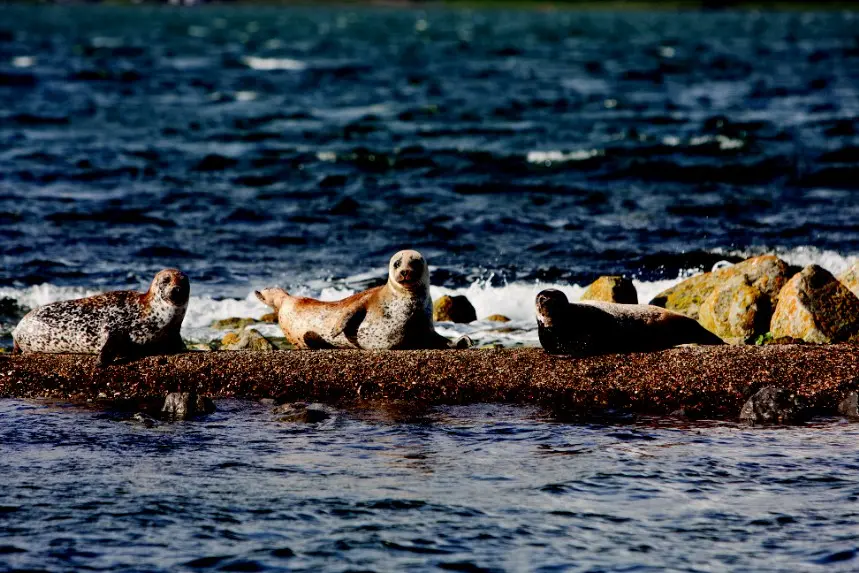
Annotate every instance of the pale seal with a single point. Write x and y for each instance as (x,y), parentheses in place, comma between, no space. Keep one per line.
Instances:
(395,316)
(589,328)
(118,324)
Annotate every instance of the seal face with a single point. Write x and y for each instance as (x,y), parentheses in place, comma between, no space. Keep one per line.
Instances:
(117,324)
(397,315)
(585,329)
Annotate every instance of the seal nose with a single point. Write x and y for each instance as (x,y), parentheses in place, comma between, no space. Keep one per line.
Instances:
(406,275)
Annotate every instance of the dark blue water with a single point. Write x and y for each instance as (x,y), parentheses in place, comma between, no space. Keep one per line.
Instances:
(246,145)
(482,488)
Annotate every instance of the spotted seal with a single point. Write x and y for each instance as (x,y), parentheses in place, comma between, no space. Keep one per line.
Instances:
(395,316)
(590,328)
(118,324)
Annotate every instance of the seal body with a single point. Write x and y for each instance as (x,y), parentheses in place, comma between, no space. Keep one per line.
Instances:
(395,316)
(584,329)
(118,324)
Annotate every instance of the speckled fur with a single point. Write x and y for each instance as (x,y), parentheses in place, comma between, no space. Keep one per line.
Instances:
(590,328)
(395,316)
(136,323)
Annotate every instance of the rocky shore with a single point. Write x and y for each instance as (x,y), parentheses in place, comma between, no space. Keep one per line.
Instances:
(696,382)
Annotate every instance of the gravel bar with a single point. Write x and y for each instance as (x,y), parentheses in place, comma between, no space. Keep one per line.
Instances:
(701,382)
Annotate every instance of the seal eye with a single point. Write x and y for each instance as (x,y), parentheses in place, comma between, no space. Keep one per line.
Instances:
(397,263)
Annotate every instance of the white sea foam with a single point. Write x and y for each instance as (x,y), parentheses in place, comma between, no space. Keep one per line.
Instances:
(274,64)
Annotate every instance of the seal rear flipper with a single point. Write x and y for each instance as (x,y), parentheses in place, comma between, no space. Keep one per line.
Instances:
(116,345)
(272,297)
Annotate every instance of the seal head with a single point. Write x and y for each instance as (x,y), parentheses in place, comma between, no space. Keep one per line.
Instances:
(170,287)
(408,272)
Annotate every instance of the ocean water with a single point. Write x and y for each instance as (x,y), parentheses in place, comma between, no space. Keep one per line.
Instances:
(253,146)
(477,488)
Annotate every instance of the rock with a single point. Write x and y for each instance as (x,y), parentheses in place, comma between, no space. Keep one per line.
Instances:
(232,323)
(736,309)
(850,278)
(612,289)
(453,309)
(281,343)
(198,346)
(849,406)
(304,412)
(270,318)
(497,318)
(766,273)
(186,405)
(230,338)
(817,308)
(250,339)
(772,405)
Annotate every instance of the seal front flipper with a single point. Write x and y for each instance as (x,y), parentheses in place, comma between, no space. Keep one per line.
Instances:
(116,345)
(315,342)
(15,348)
(349,324)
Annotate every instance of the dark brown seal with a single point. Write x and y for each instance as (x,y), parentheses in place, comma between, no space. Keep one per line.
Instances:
(590,328)
(118,324)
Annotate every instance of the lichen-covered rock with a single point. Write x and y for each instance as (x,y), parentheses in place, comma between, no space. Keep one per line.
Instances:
(850,278)
(612,289)
(453,309)
(232,323)
(773,405)
(270,318)
(767,273)
(251,339)
(230,338)
(736,309)
(497,318)
(186,405)
(817,308)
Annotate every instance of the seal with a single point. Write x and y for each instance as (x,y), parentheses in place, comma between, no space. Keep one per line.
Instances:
(117,324)
(395,316)
(590,328)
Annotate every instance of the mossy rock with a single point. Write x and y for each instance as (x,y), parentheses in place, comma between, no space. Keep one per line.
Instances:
(612,289)
(232,323)
(497,318)
(736,309)
(251,339)
(815,307)
(230,338)
(281,343)
(767,273)
(850,278)
(453,309)
(270,318)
